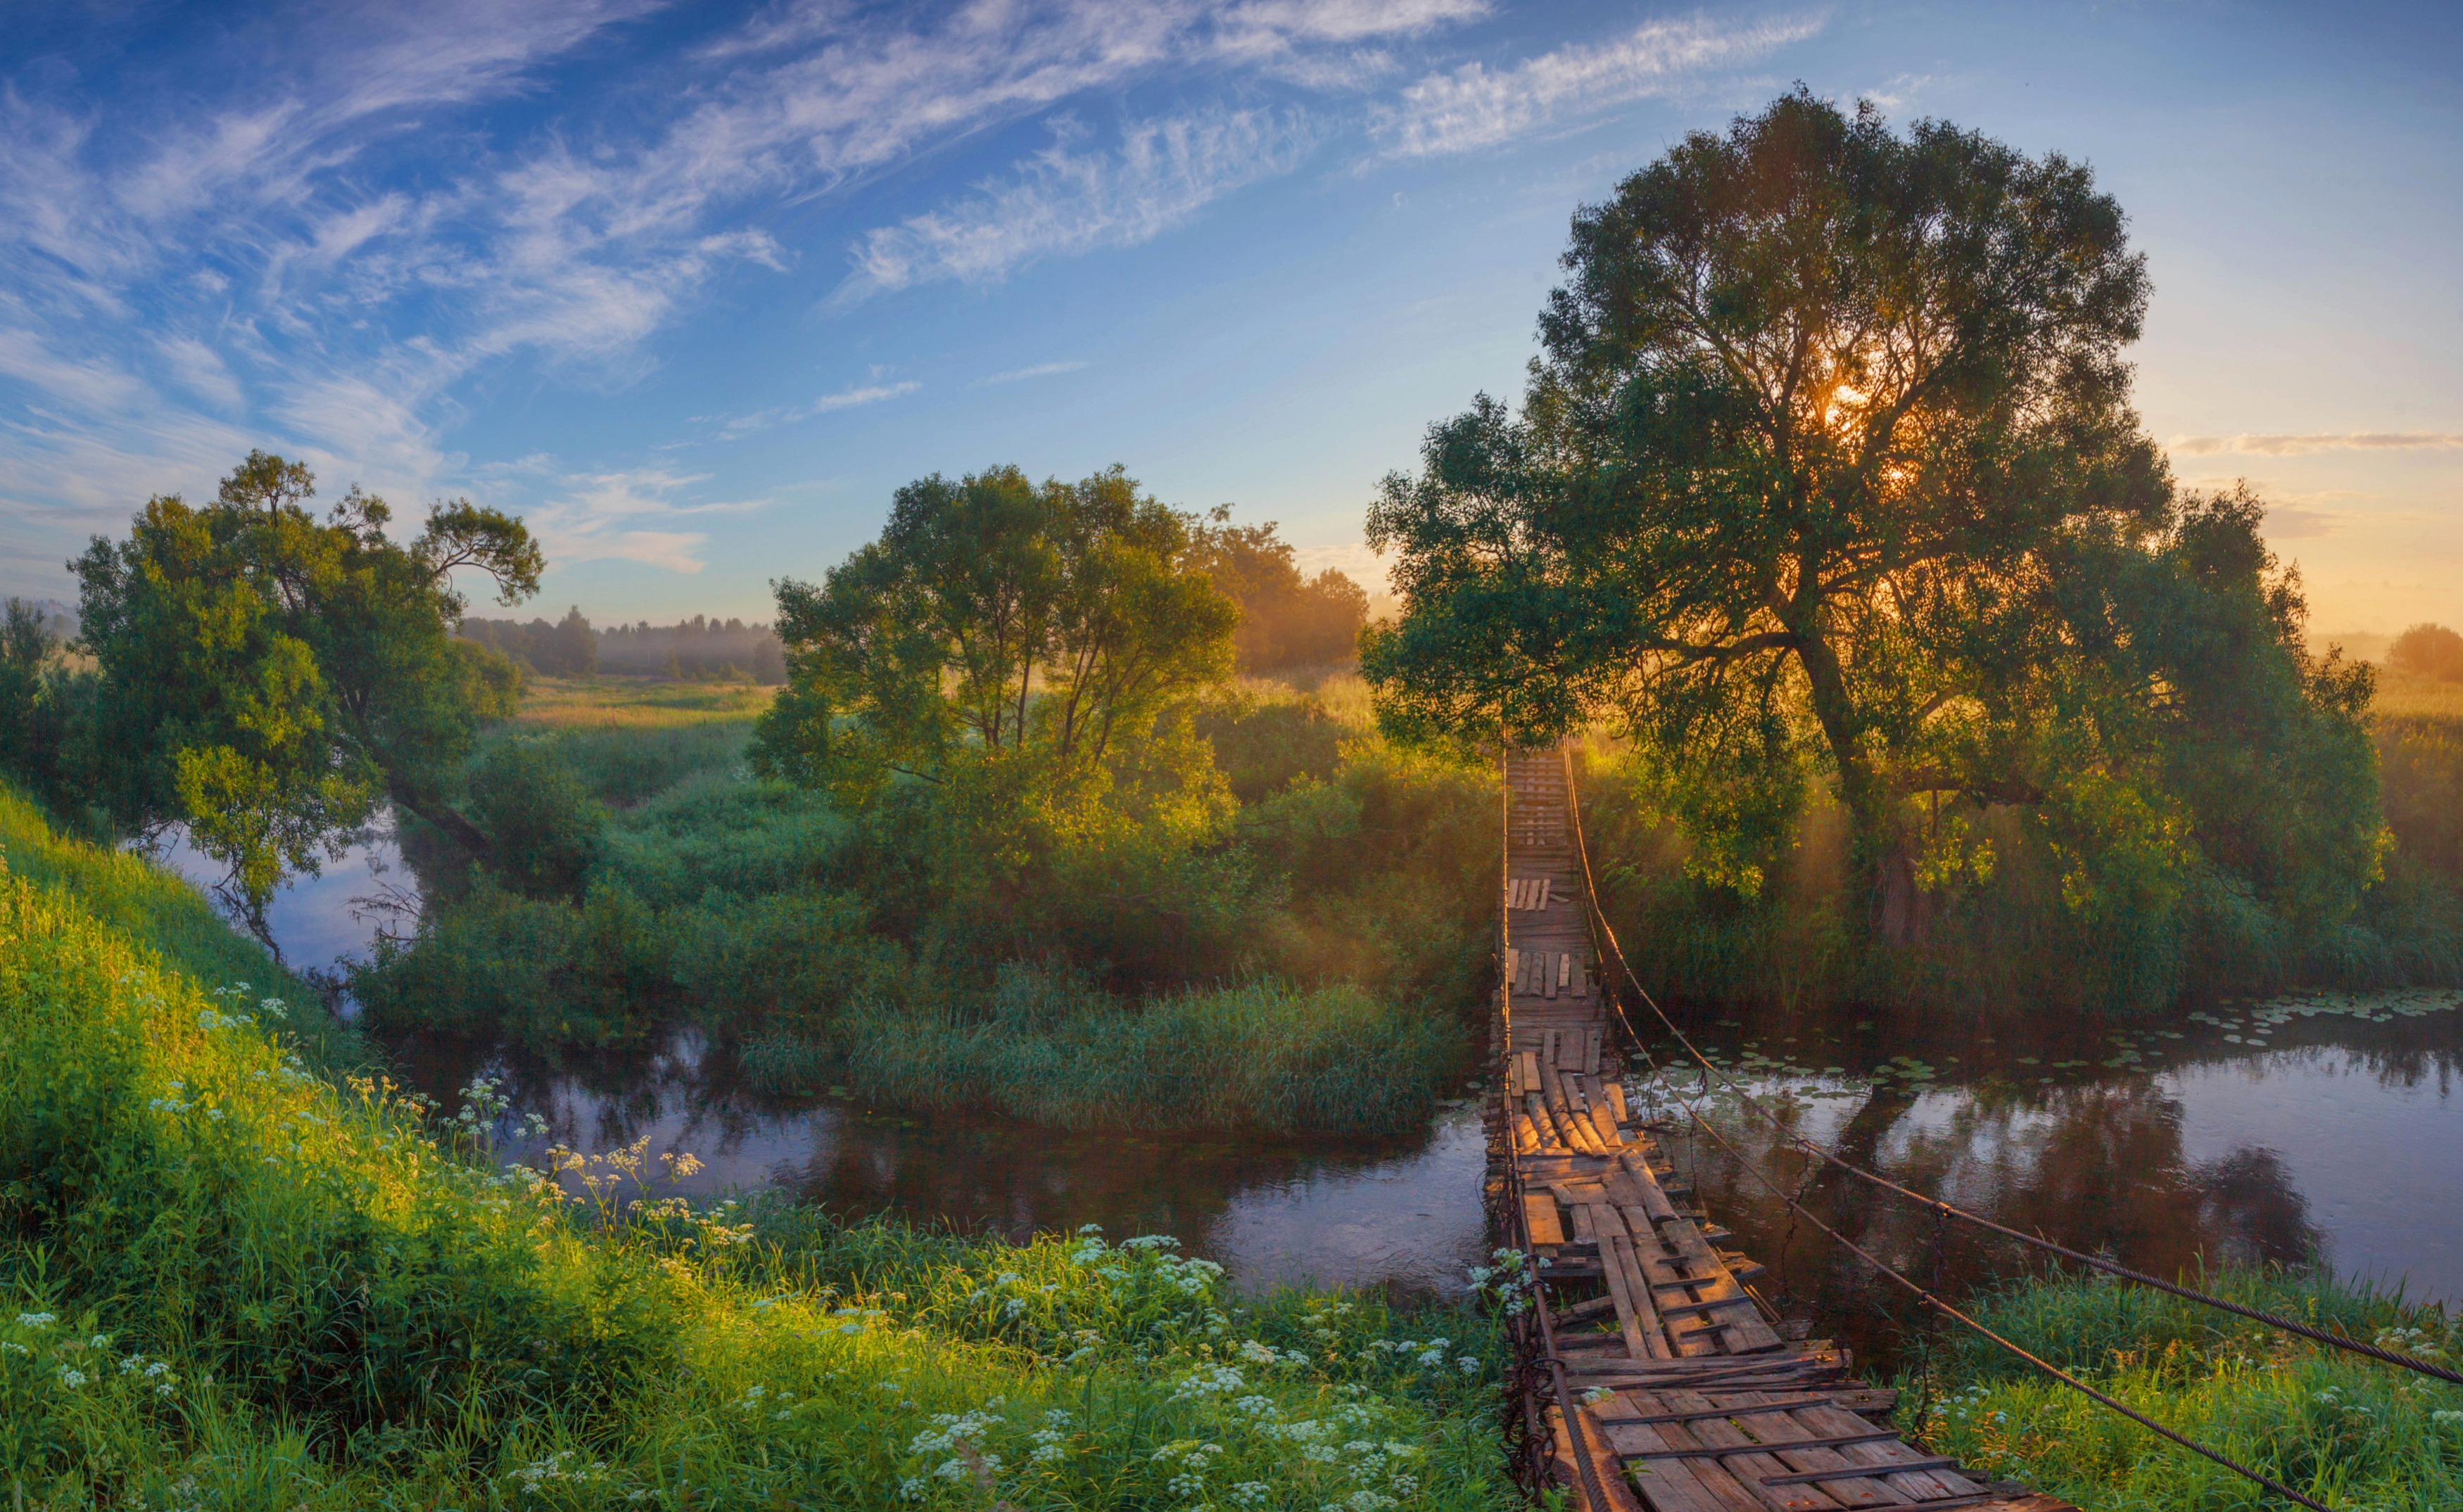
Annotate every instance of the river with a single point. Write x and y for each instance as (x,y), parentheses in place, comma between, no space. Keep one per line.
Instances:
(2326,1127)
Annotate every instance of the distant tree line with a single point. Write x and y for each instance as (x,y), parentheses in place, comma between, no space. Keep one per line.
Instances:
(699,649)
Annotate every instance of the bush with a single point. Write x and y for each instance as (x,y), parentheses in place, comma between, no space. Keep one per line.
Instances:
(543,822)
(790,959)
(1265,746)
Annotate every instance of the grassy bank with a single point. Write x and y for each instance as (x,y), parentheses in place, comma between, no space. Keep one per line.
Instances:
(236,1284)
(2351,1433)
(1106,979)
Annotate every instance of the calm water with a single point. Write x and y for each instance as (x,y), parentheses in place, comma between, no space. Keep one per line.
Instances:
(2245,1133)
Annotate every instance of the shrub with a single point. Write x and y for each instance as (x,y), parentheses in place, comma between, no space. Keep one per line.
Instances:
(542,821)
(793,956)
(1049,1047)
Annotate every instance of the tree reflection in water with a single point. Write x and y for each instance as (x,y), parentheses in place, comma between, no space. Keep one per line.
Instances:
(2100,1169)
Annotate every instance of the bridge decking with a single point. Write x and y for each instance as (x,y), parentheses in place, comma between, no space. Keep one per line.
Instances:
(1709,1410)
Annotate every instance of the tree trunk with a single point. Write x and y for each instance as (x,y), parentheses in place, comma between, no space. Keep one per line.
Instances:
(1903,910)
(463,833)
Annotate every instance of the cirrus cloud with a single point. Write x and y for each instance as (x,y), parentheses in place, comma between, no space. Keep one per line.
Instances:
(2303,446)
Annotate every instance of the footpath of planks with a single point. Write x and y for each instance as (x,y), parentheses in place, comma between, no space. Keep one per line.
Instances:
(1697,1402)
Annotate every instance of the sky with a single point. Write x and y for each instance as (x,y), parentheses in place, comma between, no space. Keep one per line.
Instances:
(695,287)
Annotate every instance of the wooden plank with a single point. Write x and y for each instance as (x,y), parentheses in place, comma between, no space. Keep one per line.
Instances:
(1591,1053)
(1564,969)
(1689,1484)
(1790,1402)
(1547,884)
(1616,1101)
(1916,1485)
(1673,1485)
(1613,1485)
(1748,1463)
(1547,978)
(1631,1309)
(1578,1129)
(1539,1214)
(1638,1179)
(1812,1451)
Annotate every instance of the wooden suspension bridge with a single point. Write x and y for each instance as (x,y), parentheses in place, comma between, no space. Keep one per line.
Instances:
(1690,1397)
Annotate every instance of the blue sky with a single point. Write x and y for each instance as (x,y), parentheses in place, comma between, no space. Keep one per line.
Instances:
(694,288)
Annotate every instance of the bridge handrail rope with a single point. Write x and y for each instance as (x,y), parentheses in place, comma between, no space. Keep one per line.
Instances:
(1518,1219)
(1603,930)
(1600,924)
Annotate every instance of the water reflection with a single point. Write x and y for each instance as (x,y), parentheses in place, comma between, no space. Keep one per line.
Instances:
(2344,1146)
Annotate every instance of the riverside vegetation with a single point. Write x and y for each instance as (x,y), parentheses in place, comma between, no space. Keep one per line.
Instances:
(1013,836)
(2341,1428)
(237,1279)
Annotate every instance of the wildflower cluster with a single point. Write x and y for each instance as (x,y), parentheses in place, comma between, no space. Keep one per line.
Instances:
(1504,1283)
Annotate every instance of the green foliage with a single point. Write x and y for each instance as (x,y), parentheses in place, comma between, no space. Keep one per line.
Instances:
(797,957)
(237,1286)
(2420,765)
(995,624)
(163,918)
(266,676)
(46,715)
(542,822)
(801,933)
(1263,747)
(2336,1428)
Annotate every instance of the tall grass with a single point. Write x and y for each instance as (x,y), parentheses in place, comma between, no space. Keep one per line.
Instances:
(235,1285)
(165,915)
(2340,1428)
(1265,1055)
(616,703)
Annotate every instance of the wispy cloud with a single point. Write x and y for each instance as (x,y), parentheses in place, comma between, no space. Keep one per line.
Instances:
(1899,91)
(2286,523)
(789,414)
(1475,106)
(2301,445)
(1161,175)
(1039,369)
(612,517)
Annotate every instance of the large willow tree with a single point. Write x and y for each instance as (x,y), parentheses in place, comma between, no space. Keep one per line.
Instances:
(1828,473)
(266,676)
